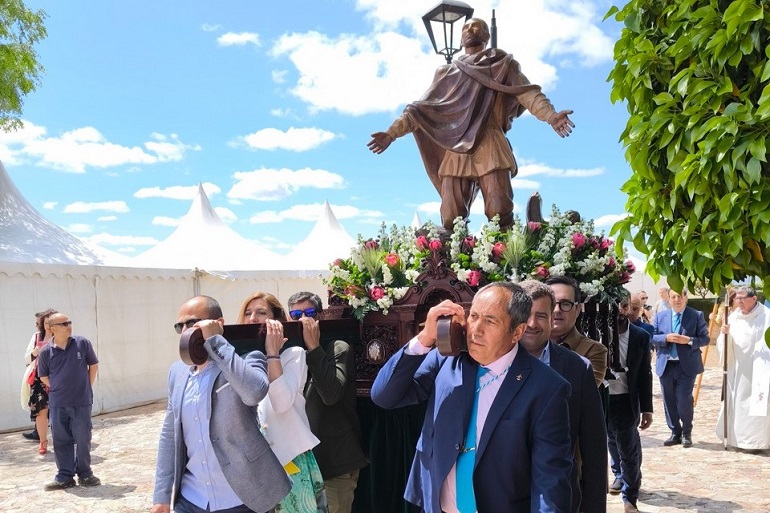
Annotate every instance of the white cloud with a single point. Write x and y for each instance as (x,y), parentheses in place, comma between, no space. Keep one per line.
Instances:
(536,168)
(311,212)
(275,184)
(211,27)
(107,218)
(608,220)
(523,183)
(279,76)
(79,228)
(178,192)
(384,79)
(429,207)
(50,205)
(106,239)
(80,148)
(238,39)
(293,139)
(166,221)
(225,214)
(82,207)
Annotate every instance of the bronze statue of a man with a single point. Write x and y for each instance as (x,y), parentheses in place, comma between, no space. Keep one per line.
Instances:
(460,125)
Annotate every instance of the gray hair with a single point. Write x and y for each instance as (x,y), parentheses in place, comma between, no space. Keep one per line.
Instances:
(750,292)
(519,304)
(537,290)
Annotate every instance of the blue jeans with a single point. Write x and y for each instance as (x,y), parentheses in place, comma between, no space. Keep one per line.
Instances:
(71,432)
(625,446)
(676,387)
(184,506)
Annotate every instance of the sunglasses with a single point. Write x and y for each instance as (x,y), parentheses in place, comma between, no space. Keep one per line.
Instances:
(297,314)
(66,324)
(181,326)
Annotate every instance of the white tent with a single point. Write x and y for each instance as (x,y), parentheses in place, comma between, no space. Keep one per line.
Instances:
(326,242)
(203,241)
(127,313)
(27,236)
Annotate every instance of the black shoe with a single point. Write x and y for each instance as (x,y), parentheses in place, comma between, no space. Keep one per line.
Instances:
(616,487)
(686,441)
(89,481)
(32,435)
(674,440)
(59,485)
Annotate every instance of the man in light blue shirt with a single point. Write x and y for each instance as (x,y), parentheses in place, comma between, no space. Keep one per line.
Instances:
(211,455)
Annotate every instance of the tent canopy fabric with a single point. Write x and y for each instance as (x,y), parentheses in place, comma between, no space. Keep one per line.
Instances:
(26,236)
(326,242)
(202,240)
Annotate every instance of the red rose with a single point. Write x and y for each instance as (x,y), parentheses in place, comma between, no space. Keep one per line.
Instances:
(421,242)
(543,272)
(498,249)
(578,240)
(392,259)
(470,241)
(473,278)
(376,293)
(435,245)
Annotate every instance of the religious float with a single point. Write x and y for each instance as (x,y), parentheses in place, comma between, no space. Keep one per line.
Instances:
(389,282)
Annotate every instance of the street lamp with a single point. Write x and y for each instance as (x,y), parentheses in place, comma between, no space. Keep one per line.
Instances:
(447,13)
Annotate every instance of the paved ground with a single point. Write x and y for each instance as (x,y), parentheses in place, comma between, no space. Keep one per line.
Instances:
(704,478)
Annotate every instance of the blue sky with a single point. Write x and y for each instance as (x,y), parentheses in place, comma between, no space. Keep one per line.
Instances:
(270,105)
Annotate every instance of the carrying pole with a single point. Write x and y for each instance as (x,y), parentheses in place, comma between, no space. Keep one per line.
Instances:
(712,321)
(725,313)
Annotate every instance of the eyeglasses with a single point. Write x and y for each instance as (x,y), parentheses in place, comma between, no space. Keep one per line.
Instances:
(181,326)
(741,298)
(297,314)
(66,324)
(645,298)
(566,306)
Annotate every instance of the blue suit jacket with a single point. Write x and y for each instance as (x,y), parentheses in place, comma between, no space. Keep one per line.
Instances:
(587,430)
(523,460)
(693,325)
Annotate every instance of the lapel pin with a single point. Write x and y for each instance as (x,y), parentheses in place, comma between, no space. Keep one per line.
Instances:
(518,377)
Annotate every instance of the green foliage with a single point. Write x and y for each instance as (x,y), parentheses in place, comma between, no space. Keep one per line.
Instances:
(694,76)
(20,29)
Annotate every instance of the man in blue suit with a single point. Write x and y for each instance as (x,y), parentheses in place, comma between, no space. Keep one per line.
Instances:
(679,334)
(586,415)
(496,434)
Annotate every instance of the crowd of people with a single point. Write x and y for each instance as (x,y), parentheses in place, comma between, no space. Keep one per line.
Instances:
(528,419)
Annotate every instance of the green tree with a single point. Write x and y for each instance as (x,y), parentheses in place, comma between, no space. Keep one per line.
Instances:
(694,76)
(20,29)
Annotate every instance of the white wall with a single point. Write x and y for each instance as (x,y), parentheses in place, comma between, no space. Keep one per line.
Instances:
(127,314)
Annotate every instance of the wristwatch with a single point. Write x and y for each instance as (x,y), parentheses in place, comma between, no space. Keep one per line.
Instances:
(691,341)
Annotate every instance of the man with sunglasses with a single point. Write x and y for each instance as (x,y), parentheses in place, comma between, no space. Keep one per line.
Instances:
(330,395)
(212,456)
(67,365)
(568,306)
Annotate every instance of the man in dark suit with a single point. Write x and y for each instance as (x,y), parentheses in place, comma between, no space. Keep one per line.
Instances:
(496,435)
(679,334)
(630,401)
(587,430)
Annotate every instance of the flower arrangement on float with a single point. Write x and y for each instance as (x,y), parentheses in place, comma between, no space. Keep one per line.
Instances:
(380,271)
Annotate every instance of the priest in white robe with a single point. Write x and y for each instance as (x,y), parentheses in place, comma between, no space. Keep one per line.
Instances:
(748,374)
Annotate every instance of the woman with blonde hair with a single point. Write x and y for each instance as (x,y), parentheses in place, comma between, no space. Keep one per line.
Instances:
(282,416)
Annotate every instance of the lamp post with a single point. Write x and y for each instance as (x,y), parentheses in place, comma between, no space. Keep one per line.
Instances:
(447,14)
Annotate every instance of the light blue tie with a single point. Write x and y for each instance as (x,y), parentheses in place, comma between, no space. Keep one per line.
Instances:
(675,325)
(466,499)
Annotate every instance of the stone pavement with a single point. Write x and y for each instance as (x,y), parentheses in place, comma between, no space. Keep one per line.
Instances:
(704,478)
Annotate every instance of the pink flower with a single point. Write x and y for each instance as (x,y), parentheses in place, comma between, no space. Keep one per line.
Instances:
(339,262)
(421,242)
(542,272)
(473,278)
(605,244)
(435,245)
(353,291)
(470,241)
(534,226)
(392,259)
(498,249)
(578,240)
(630,266)
(611,263)
(376,293)
(625,277)
(371,244)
